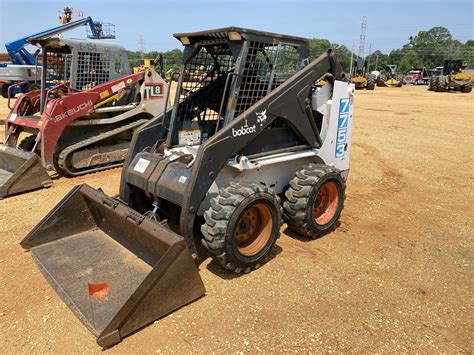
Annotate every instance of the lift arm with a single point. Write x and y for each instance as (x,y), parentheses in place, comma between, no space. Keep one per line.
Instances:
(18,53)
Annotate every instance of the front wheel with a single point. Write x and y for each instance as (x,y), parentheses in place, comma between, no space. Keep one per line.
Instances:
(314,200)
(467,88)
(370,82)
(242,226)
(440,84)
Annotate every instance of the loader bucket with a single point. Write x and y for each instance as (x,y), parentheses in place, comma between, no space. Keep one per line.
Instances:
(20,171)
(116,270)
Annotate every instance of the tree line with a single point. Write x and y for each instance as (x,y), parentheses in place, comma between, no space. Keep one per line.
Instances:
(426,49)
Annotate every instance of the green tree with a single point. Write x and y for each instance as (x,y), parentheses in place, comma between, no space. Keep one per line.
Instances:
(171,59)
(428,49)
(318,46)
(467,53)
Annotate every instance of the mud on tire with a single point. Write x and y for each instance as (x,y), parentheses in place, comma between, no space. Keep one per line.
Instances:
(242,226)
(314,200)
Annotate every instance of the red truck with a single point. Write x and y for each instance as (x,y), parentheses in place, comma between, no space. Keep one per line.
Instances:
(417,76)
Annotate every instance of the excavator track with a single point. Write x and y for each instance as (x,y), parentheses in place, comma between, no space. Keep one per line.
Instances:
(66,152)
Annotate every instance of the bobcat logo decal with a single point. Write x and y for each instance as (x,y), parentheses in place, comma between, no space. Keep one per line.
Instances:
(261,117)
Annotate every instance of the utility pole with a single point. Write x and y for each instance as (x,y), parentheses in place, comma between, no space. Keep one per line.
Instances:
(363,28)
(141,47)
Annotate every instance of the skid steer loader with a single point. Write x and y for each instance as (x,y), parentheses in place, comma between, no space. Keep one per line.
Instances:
(82,124)
(249,142)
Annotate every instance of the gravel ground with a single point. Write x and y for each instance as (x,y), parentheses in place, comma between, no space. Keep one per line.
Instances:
(397,275)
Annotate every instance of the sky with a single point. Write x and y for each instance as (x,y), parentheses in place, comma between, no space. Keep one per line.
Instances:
(389,23)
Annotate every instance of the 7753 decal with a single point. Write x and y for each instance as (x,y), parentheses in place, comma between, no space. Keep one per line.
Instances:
(342,123)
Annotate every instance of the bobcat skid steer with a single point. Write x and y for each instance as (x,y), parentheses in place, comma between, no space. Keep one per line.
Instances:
(249,142)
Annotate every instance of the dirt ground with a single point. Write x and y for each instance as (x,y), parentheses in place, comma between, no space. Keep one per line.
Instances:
(397,275)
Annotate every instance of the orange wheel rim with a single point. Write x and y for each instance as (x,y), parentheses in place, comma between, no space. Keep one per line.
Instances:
(326,202)
(253,229)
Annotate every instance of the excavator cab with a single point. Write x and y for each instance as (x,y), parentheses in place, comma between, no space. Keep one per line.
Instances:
(453,67)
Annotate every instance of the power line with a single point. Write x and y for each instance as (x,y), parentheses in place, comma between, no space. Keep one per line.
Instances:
(141,46)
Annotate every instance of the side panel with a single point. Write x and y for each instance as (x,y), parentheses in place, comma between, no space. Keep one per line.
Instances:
(336,148)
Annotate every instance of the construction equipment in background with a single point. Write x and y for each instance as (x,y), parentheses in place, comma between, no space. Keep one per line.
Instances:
(151,63)
(361,78)
(390,78)
(249,142)
(24,68)
(452,77)
(417,76)
(82,124)
(146,63)
(360,75)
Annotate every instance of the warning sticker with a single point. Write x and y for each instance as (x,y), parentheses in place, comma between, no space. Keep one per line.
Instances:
(118,86)
(192,136)
(141,165)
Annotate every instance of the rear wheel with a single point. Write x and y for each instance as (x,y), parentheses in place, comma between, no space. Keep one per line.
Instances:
(466,88)
(314,200)
(242,225)
(382,80)
(370,82)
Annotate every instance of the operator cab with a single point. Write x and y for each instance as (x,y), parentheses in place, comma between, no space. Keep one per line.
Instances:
(225,72)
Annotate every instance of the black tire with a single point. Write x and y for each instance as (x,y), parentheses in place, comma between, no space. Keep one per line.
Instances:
(308,195)
(430,84)
(382,80)
(439,85)
(237,212)
(466,88)
(27,143)
(435,84)
(370,82)
(5,90)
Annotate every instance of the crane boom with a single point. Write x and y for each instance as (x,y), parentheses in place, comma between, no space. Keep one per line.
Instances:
(19,55)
